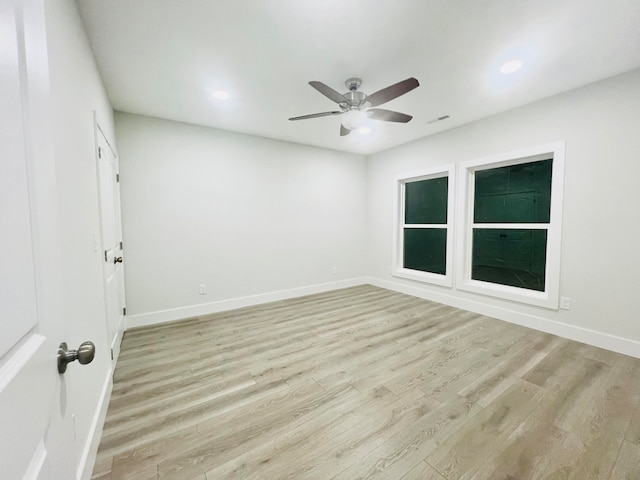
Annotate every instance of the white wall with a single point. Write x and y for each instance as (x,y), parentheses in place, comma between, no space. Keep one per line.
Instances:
(249,216)
(76,92)
(600,254)
(246,216)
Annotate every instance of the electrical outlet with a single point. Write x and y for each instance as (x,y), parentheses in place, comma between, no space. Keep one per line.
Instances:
(565,303)
(334,270)
(203,289)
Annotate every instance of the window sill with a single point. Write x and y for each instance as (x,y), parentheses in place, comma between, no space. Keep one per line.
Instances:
(424,277)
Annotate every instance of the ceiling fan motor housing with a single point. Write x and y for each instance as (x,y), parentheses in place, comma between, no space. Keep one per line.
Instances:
(356,99)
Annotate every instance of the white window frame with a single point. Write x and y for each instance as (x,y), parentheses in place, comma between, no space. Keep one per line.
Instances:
(397,269)
(466,185)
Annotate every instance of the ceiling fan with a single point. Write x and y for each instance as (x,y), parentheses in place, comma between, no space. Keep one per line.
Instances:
(356,107)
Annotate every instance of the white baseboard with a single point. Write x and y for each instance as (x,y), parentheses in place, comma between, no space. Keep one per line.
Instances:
(162,316)
(90,451)
(572,332)
(117,340)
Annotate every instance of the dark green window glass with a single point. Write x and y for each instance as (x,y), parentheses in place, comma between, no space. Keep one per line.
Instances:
(426,201)
(425,249)
(514,194)
(514,257)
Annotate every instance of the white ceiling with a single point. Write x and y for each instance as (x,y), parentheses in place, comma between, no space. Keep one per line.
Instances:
(164,58)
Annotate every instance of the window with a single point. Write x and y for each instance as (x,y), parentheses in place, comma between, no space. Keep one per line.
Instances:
(423,242)
(510,229)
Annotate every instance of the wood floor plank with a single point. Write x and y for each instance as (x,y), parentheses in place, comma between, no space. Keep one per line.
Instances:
(179,443)
(606,412)
(422,471)
(633,433)
(137,432)
(487,387)
(403,449)
(464,452)
(370,433)
(292,454)
(209,453)
(366,383)
(526,452)
(628,463)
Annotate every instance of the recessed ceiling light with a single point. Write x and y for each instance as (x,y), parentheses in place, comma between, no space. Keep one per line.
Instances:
(221,95)
(511,67)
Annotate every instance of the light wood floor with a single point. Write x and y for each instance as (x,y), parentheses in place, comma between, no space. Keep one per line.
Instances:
(367,383)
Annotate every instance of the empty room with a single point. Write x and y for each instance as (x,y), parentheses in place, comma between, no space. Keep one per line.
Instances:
(320,240)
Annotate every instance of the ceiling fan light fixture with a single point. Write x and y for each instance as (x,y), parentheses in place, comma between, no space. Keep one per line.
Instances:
(355,120)
(364,130)
(511,67)
(221,95)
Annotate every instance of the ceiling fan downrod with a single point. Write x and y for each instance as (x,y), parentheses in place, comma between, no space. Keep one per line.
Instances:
(355,98)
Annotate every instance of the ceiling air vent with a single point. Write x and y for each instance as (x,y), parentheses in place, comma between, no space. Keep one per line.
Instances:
(439,119)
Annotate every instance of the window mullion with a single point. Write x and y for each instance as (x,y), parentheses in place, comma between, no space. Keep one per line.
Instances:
(425,225)
(512,226)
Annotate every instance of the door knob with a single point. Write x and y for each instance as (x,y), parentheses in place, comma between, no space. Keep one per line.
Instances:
(85,354)
(117,260)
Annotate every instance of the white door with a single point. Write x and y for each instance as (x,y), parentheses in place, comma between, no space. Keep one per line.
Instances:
(109,188)
(31,319)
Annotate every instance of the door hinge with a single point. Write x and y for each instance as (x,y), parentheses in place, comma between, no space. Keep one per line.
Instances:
(105,256)
(117,178)
(112,354)
(121,245)
(99,152)
(124,311)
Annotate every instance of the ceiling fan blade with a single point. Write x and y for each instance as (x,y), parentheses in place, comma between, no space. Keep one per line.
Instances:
(344,131)
(315,115)
(388,115)
(328,92)
(394,91)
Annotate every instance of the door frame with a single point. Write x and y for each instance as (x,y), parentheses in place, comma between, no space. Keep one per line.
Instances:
(115,342)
